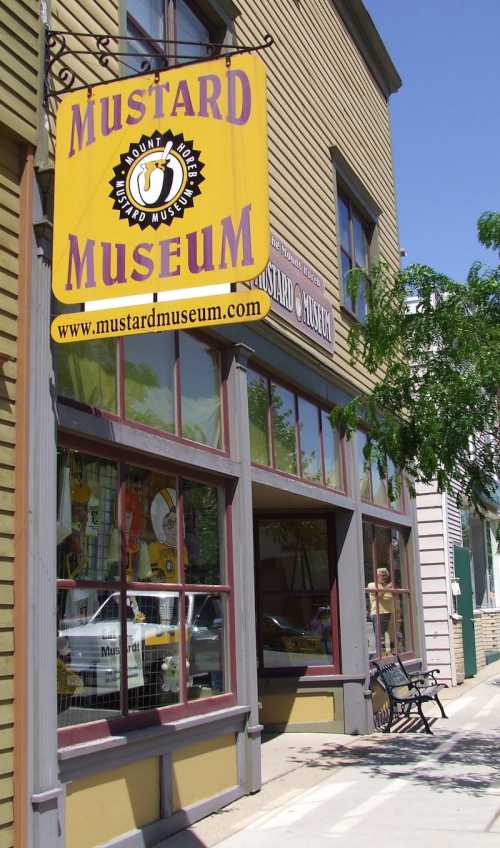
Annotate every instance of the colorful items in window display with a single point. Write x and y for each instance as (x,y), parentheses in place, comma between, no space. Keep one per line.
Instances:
(163,552)
(133,528)
(128,532)
(87,549)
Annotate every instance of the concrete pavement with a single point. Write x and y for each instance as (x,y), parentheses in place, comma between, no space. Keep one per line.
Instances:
(404,789)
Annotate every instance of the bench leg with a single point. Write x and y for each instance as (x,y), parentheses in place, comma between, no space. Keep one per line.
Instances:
(438,702)
(426,723)
(387,728)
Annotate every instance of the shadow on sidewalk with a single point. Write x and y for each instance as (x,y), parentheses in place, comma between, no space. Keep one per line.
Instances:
(472,766)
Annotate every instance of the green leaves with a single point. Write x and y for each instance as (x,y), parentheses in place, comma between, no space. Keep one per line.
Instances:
(488,229)
(437,342)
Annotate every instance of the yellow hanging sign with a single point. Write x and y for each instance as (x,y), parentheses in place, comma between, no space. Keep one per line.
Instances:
(185,314)
(161,182)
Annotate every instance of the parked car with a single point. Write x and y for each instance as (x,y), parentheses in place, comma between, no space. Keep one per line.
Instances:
(279,634)
(91,652)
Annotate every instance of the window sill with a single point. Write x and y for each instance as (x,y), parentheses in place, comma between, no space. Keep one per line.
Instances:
(167,729)
(353,318)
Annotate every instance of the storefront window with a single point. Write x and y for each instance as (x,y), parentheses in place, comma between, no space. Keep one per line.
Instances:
(294,583)
(144,390)
(88,655)
(310,441)
(150,519)
(123,593)
(388,620)
(284,431)
(258,405)
(153,650)
(394,490)
(379,489)
(207,645)
(88,541)
(363,469)
(86,372)
(200,392)
(149,380)
(202,533)
(331,453)
(372,486)
(294,420)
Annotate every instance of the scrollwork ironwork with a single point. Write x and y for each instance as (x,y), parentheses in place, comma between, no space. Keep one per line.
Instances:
(61,75)
(59,78)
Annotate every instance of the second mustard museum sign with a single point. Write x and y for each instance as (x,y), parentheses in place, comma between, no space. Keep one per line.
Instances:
(297,293)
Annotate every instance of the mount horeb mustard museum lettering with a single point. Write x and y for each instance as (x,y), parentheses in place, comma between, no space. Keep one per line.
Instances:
(161,182)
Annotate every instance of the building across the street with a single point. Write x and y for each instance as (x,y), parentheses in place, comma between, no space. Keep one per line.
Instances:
(460,568)
(191,553)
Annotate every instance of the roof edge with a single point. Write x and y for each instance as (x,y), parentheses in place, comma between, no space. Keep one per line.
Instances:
(369,43)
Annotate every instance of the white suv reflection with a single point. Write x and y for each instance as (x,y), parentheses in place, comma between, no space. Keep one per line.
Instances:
(92,651)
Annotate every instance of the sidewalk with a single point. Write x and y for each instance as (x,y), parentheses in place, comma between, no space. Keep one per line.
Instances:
(301,769)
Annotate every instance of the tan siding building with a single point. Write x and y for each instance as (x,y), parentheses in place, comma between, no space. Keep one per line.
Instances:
(190,550)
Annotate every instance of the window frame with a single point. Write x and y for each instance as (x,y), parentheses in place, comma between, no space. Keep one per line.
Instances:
(401,503)
(353,212)
(125,458)
(270,379)
(215,26)
(401,591)
(305,670)
(347,183)
(120,414)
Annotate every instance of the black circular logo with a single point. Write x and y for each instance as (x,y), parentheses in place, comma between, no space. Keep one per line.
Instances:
(156,180)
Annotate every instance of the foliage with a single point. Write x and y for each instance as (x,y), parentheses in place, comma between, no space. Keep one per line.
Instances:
(434,408)
(488,229)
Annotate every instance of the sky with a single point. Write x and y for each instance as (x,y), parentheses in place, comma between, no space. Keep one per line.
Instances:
(445,125)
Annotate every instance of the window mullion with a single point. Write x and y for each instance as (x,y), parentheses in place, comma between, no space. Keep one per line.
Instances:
(123,593)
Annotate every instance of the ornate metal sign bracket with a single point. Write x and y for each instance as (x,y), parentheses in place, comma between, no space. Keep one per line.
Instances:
(144,55)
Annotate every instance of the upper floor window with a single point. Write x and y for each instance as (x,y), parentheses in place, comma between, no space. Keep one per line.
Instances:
(170,21)
(354,233)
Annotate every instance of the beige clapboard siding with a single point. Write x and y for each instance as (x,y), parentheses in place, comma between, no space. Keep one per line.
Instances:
(320,93)
(19,66)
(10,164)
(90,17)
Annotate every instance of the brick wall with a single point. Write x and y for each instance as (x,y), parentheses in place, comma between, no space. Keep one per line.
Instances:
(479,630)
(458,649)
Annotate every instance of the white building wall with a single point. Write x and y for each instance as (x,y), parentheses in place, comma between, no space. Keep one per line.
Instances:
(436,559)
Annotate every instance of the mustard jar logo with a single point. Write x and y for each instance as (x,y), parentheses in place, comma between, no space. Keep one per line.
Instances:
(156,180)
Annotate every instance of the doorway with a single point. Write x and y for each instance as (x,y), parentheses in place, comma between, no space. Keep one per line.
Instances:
(296,595)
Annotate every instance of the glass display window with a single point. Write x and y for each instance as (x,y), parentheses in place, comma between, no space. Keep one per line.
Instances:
(200,392)
(258,413)
(297,602)
(144,592)
(170,383)
(291,434)
(387,593)
(374,488)
(149,380)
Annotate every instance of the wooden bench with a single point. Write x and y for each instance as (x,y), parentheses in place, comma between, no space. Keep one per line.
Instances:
(406,690)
